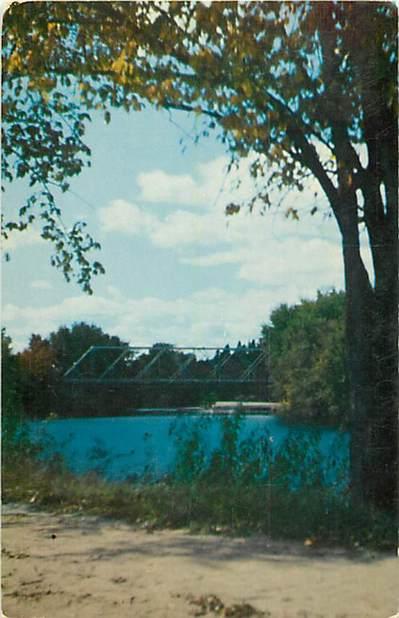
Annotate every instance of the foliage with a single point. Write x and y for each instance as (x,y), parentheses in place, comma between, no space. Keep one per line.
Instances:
(307,358)
(44,362)
(305,353)
(210,496)
(69,343)
(296,463)
(191,449)
(293,83)
(14,435)
(45,391)
(38,376)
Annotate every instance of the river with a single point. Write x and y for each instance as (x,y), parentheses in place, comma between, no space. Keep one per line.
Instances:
(119,448)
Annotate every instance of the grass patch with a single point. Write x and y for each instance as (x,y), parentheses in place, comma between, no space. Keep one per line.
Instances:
(245,486)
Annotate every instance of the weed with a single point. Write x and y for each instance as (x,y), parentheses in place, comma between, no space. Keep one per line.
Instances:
(246,485)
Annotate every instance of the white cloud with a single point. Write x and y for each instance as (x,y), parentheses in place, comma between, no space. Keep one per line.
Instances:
(178,228)
(41,284)
(158,186)
(113,292)
(213,259)
(19,240)
(266,250)
(23,320)
(210,184)
(185,228)
(306,264)
(126,218)
(69,309)
(309,261)
(213,188)
(212,316)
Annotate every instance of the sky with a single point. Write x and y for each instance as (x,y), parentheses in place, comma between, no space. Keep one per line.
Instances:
(177,269)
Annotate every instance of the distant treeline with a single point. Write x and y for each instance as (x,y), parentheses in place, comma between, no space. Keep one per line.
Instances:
(303,366)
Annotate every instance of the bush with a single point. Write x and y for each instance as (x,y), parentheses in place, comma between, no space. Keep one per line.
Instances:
(244,487)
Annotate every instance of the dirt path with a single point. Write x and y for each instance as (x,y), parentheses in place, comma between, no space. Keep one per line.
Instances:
(67,566)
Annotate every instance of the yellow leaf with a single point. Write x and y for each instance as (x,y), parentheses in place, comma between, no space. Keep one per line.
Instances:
(120,63)
(247,88)
(15,62)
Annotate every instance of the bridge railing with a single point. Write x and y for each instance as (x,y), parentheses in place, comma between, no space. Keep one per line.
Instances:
(170,364)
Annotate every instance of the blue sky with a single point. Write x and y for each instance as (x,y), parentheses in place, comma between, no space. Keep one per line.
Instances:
(177,270)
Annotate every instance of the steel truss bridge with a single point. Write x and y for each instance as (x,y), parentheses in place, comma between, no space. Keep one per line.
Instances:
(166,364)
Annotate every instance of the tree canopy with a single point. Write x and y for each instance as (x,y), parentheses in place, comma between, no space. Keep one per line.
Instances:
(303,85)
(106,380)
(303,366)
(11,404)
(309,89)
(306,346)
(42,364)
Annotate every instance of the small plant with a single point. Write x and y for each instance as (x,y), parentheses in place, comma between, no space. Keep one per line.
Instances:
(247,485)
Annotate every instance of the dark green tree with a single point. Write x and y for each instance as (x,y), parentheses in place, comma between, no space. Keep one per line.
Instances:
(308,88)
(69,343)
(38,377)
(306,344)
(43,365)
(12,417)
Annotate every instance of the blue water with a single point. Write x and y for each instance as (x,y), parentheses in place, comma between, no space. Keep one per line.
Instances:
(120,448)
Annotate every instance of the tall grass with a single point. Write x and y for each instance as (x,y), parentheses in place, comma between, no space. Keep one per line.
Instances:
(243,486)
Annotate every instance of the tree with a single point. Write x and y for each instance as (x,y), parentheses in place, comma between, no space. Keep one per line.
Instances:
(69,343)
(306,347)
(12,418)
(309,88)
(38,377)
(42,366)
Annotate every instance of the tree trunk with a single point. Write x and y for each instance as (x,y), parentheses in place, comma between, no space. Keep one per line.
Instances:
(359,298)
(381,216)
(382,486)
(372,328)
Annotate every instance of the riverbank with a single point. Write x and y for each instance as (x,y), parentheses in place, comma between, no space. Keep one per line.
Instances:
(243,408)
(228,491)
(219,408)
(63,566)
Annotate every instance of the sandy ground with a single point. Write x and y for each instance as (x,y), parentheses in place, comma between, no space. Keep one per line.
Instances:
(65,566)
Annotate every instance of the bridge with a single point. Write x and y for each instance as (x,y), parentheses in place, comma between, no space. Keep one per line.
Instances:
(167,364)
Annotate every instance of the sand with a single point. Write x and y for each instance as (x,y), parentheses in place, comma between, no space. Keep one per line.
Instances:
(66,566)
